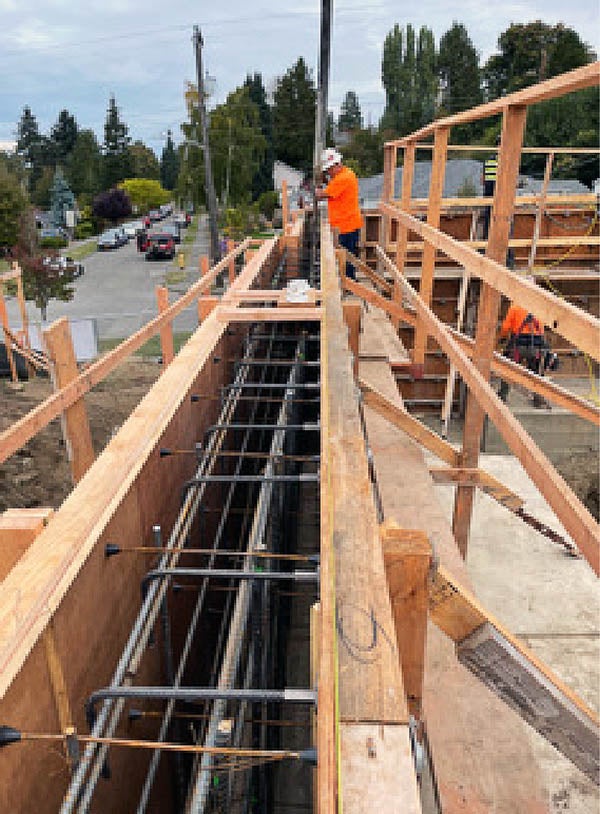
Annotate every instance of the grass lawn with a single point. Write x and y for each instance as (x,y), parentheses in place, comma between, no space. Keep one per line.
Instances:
(150,349)
(82,251)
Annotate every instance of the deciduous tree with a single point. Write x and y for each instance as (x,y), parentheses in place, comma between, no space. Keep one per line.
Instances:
(112,205)
(294,103)
(13,204)
(145,193)
(143,163)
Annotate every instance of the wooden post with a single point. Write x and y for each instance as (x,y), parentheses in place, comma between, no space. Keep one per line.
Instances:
(352,315)
(449,394)
(204,265)
(248,255)
(540,210)
(205,307)
(18,529)
(285,209)
(407,558)
(76,426)
(509,156)
(166,332)
(436,189)
(7,339)
(402,231)
(390,159)
(230,248)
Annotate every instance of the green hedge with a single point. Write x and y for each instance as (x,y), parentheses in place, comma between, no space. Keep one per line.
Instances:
(84,229)
(54,242)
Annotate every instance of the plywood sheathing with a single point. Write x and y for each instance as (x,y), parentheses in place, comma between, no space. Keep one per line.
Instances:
(481,754)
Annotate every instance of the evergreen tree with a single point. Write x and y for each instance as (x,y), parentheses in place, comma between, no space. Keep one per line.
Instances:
(116,163)
(408,72)
(61,199)
(263,178)
(30,146)
(64,136)
(83,165)
(169,164)
(143,162)
(350,117)
(294,104)
(460,81)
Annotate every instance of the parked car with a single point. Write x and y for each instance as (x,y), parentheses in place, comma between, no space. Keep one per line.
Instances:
(160,244)
(64,265)
(166,209)
(132,228)
(182,220)
(52,231)
(172,229)
(154,215)
(111,239)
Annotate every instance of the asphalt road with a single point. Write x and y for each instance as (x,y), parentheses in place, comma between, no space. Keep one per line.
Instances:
(118,290)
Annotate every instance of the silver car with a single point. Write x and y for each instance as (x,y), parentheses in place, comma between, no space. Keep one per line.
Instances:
(111,239)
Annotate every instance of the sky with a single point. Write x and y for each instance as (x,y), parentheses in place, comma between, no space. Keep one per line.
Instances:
(58,55)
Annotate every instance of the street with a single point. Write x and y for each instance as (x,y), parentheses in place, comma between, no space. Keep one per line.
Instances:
(118,290)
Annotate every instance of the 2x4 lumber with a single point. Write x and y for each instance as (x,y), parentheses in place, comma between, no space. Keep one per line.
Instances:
(575,325)
(281,314)
(540,209)
(436,188)
(57,678)
(18,529)
(572,514)
(352,315)
(390,307)
(478,477)
(285,204)
(407,555)
(587,76)
(23,430)
(517,374)
(509,157)
(76,425)
(517,243)
(560,202)
(514,673)
(409,424)
(35,587)
(7,340)
(370,688)
(375,278)
(206,306)
(166,333)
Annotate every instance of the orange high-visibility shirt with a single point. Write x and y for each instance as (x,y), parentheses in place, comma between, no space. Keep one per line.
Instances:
(342,202)
(514,322)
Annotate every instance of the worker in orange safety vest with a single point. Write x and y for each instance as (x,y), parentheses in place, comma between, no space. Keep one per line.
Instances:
(343,207)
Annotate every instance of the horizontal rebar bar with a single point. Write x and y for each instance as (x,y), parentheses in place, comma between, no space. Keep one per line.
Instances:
(220,553)
(310,427)
(272,386)
(228,573)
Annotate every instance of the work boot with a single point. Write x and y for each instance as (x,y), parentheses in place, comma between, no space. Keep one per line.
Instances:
(540,403)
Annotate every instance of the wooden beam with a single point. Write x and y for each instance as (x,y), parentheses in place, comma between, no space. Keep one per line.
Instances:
(407,556)
(352,314)
(57,678)
(375,278)
(561,202)
(436,189)
(231,266)
(575,325)
(206,306)
(76,425)
(7,340)
(18,529)
(478,477)
(285,205)
(540,210)
(573,515)
(281,314)
(166,332)
(515,674)
(21,431)
(390,307)
(409,424)
(402,230)
(587,76)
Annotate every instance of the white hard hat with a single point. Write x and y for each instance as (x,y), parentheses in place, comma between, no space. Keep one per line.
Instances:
(329,158)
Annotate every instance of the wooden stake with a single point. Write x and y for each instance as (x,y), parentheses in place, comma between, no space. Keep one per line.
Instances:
(7,339)
(166,332)
(352,315)
(204,265)
(206,306)
(76,426)
(231,267)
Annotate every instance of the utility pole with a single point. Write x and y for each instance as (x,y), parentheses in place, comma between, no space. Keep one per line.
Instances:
(321,117)
(211,199)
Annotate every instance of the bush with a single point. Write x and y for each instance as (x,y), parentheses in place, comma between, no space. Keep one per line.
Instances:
(54,242)
(84,228)
(267,203)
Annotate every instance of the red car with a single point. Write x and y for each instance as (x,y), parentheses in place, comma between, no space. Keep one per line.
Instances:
(160,245)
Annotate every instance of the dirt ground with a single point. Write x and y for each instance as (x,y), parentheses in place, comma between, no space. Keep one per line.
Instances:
(38,474)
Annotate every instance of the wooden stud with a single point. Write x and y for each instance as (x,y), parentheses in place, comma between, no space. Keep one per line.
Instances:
(390,307)
(509,156)
(231,267)
(402,233)
(57,678)
(540,210)
(436,189)
(352,316)
(204,265)
(407,558)
(301,313)
(18,529)
(285,206)
(478,477)
(76,426)
(7,339)
(166,333)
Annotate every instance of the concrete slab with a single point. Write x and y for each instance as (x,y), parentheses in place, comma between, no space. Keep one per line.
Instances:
(548,599)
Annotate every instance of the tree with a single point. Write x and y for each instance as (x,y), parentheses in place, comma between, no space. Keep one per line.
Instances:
(169,164)
(143,163)
(13,204)
(83,165)
(460,80)
(112,205)
(263,177)
(41,193)
(29,145)
(64,135)
(61,198)
(116,163)
(531,52)
(145,193)
(350,117)
(408,73)
(294,104)
(364,152)
(237,146)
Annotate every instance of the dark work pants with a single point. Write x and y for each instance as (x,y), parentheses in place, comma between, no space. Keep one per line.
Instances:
(349,241)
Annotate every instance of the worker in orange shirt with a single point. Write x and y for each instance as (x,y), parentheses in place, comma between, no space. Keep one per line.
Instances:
(526,344)
(341,193)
